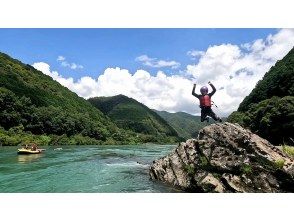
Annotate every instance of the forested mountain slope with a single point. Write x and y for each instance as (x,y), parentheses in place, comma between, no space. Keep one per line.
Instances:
(269,109)
(130,114)
(32,103)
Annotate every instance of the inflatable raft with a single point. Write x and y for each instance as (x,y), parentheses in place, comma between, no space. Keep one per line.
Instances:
(28,151)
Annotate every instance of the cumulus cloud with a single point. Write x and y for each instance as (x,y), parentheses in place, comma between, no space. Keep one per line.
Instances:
(62,60)
(162,92)
(237,69)
(233,69)
(154,62)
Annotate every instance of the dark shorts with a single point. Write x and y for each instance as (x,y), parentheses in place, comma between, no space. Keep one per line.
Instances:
(207,111)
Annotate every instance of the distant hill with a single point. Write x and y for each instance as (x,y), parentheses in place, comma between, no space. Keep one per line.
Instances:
(186,125)
(32,103)
(269,109)
(127,113)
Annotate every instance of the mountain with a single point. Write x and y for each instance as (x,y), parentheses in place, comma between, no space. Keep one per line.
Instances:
(186,125)
(130,114)
(269,109)
(34,107)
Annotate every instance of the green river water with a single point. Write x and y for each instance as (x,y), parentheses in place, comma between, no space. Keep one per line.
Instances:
(86,169)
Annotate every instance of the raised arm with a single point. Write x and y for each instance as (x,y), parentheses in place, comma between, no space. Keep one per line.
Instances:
(213,89)
(193,92)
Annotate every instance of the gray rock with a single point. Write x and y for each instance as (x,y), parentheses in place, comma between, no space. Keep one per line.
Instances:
(226,158)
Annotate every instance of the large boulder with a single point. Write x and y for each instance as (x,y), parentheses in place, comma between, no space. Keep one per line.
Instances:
(226,158)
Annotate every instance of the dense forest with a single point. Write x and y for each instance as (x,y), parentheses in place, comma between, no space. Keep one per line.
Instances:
(34,107)
(127,113)
(269,109)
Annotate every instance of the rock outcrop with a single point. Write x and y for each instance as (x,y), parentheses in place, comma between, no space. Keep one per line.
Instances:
(226,158)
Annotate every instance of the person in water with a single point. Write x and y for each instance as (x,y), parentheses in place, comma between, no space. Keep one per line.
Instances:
(205,102)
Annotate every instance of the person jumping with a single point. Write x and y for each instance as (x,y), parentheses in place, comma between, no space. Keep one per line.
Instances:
(205,103)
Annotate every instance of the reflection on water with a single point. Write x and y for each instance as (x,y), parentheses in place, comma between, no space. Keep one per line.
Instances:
(28,158)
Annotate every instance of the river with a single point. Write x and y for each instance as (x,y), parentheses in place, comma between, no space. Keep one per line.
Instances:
(85,169)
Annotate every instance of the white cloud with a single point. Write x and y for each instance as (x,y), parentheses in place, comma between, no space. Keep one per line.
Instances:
(233,69)
(75,66)
(154,62)
(162,92)
(60,58)
(237,69)
(64,63)
(195,53)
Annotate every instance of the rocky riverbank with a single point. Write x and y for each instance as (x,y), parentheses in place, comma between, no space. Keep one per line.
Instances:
(226,158)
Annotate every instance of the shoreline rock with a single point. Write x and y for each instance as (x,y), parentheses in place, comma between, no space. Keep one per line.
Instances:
(226,158)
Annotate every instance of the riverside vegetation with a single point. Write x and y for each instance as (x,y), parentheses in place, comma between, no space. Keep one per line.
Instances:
(34,107)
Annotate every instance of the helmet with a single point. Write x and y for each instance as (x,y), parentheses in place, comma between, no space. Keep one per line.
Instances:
(204,90)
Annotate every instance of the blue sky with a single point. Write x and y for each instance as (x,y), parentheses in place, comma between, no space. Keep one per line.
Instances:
(157,67)
(98,49)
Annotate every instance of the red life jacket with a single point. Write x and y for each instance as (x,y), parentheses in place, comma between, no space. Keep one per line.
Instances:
(205,101)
